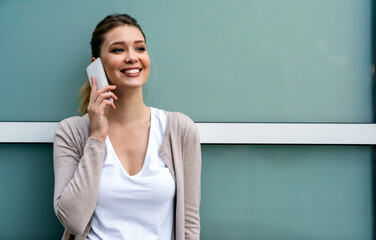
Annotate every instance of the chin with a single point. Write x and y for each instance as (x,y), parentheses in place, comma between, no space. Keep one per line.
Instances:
(131,85)
(128,83)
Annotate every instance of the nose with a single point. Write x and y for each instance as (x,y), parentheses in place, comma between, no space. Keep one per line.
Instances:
(131,57)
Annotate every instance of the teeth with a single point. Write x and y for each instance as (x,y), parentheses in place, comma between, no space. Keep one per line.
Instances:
(132,71)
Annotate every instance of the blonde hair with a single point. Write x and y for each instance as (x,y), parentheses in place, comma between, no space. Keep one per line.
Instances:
(84,97)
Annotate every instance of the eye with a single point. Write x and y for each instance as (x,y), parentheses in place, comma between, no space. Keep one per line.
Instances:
(117,50)
(140,49)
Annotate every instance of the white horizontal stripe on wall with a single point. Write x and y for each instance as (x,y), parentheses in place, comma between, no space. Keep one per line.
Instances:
(287,133)
(225,133)
(27,132)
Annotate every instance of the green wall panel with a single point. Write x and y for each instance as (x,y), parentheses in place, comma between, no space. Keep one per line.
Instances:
(248,192)
(26,202)
(286,192)
(260,61)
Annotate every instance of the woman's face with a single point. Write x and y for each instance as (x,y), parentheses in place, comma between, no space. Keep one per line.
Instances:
(125,58)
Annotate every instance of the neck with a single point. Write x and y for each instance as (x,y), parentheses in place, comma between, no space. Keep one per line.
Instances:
(130,107)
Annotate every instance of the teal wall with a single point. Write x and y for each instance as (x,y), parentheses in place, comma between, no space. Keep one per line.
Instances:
(27,184)
(286,192)
(248,192)
(250,60)
(216,61)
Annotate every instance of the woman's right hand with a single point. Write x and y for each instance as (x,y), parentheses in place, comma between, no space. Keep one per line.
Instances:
(99,100)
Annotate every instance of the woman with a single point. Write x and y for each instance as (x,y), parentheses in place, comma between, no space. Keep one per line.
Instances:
(124,170)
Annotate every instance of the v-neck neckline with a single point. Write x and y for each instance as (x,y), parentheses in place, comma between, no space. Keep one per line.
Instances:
(147,149)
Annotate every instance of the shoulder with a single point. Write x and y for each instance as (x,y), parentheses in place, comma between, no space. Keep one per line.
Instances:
(180,119)
(75,122)
(181,124)
(76,127)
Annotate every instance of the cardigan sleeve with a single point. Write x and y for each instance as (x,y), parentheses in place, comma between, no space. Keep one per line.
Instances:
(77,177)
(192,181)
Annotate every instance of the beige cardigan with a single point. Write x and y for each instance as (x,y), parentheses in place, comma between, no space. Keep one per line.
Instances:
(78,162)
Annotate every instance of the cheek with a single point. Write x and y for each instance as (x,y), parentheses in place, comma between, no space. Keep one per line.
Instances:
(147,67)
(111,62)
(146,59)
(147,62)
(110,65)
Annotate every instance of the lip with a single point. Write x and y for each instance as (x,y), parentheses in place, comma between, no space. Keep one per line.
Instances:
(131,74)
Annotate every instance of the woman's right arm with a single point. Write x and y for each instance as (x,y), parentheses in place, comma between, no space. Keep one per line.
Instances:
(76,179)
(77,174)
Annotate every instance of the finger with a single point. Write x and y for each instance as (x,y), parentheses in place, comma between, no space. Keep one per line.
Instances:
(105,96)
(108,95)
(102,97)
(93,95)
(107,88)
(107,103)
(94,86)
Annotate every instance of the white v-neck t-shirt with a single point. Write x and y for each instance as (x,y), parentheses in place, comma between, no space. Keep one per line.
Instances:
(139,206)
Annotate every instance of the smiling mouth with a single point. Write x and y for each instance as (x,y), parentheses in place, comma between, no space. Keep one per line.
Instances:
(130,71)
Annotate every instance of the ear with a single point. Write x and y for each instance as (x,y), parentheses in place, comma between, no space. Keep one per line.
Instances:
(93,59)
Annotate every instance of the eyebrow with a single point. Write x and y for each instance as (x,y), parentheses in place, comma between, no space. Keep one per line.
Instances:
(122,42)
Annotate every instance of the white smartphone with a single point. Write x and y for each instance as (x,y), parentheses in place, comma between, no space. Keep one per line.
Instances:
(96,69)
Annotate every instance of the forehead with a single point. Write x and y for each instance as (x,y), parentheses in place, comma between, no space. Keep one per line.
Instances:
(124,33)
